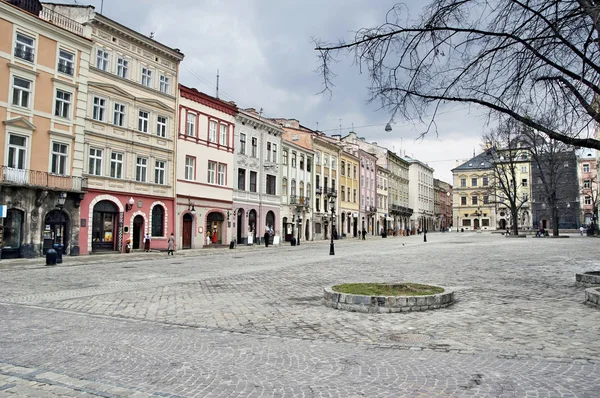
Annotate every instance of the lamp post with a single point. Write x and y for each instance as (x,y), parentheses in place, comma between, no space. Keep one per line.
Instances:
(62,198)
(332,207)
(129,205)
(298,222)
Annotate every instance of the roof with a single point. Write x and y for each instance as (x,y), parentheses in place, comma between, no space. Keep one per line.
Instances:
(483,161)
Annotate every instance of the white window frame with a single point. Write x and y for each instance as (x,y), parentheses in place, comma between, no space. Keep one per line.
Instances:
(221,174)
(141,169)
(212,172)
(161,126)
(143,120)
(57,157)
(119,114)
(122,67)
(18,93)
(160,172)
(21,151)
(23,46)
(242,143)
(190,168)
(98,108)
(165,84)
(587,200)
(190,124)
(102,59)
(586,168)
(66,59)
(95,156)
(223,132)
(62,105)
(117,159)
(146,76)
(212,131)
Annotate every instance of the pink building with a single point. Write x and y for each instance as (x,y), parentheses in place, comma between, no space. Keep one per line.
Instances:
(587,173)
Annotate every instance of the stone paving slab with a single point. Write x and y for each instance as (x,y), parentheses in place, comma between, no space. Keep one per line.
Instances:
(252,323)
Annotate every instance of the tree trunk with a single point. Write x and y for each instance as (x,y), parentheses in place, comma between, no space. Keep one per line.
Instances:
(515,220)
(554,220)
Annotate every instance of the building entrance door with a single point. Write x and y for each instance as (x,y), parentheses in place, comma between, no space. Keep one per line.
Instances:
(187,231)
(138,232)
(104,226)
(240,226)
(56,230)
(476,223)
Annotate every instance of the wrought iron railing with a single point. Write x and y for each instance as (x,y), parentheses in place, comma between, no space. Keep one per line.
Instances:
(23,54)
(65,69)
(300,200)
(61,21)
(42,179)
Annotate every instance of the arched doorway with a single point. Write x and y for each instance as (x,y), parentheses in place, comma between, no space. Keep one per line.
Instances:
(270,220)
(56,230)
(252,225)
(214,224)
(104,226)
(188,222)
(138,232)
(240,226)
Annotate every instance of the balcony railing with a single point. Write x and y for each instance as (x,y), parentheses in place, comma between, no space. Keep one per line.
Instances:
(330,191)
(42,179)
(65,69)
(319,190)
(23,54)
(61,21)
(303,201)
(31,6)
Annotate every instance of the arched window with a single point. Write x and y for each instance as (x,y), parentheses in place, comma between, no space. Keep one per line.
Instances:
(293,193)
(301,188)
(284,186)
(158,220)
(308,190)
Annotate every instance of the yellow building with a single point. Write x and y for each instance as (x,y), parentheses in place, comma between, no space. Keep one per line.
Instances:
(44,69)
(523,196)
(327,154)
(348,199)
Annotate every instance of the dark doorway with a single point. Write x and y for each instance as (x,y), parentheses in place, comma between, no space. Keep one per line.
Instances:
(270,220)
(138,231)
(476,223)
(56,230)
(188,221)
(240,226)
(355,227)
(252,224)
(13,233)
(503,224)
(214,224)
(545,224)
(104,226)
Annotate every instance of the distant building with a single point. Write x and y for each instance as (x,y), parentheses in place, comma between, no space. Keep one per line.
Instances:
(587,175)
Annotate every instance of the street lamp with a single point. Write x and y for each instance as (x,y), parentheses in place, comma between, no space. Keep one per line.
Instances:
(129,205)
(298,221)
(332,207)
(62,198)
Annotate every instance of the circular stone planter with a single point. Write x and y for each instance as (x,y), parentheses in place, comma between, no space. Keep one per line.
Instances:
(386,304)
(591,277)
(592,297)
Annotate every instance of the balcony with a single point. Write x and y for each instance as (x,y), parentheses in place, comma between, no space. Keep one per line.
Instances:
(301,201)
(42,179)
(371,209)
(330,192)
(23,54)
(65,69)
(31,6)
(319,190)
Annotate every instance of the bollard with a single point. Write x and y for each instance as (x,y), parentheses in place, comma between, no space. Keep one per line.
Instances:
(232,244)
(293,242)
(51,257)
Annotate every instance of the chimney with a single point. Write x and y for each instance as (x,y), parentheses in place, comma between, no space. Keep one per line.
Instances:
(32,6)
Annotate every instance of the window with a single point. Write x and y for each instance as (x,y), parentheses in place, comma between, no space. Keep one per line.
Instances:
(158,220)
(333,163)
(308,191)
(466,223)
(474,200)
(485,222)
(119,115)
(212,171)
(59,158)
(190,167)
(17,152)
(325,160)
(95,162)
(122,67)
(253,181)
(486,200)
(284,186)
(473,181)
(221,176)
(21,92)
(268,151)
(524,182)
(99,109)
(308,164)
(362,200)
(190,126)
(293,188)
(146,77)
(243,144)
(523,169)
(317,158)
(63,104)
(293,160)
(161,126)
(525,197)
(223,136)
(140,169)
(501,197)
(212,131)
(242,179)
(275,153)
(355,175)
(301,162)
(586,168)
(165,84)
(484,181)
(143,119)
(271,185)
(24,47)
(102,60)
(116,165)
(463,182)
(354,195)
(254,147)
(587,184)
(463,200)
(318,207)
(159,172)
(343,193)
(349,170)
(587,200)
(343,168)
(65,62)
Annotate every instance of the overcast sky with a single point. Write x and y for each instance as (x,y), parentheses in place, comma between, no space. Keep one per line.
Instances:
(266,59)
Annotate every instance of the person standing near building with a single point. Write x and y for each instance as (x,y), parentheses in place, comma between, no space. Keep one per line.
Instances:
(266,237)
(147,240)
(425,235)
(171,243)
(364,234)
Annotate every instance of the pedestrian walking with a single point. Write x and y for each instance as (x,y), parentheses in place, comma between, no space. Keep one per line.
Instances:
(364,234)
(147,240)
(171,243)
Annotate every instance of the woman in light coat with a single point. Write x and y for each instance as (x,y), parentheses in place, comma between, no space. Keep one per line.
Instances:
(171,246)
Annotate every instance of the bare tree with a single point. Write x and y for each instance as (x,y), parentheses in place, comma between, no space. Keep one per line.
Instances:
(506,152)
(518,58)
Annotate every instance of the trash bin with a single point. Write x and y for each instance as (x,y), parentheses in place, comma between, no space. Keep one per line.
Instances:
(58,249)
(293,241)
(51,257)
(232,244)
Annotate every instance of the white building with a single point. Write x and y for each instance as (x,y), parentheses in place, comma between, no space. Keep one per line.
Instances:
(421,194)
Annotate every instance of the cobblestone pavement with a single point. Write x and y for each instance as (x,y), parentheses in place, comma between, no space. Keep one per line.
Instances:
(250,322)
